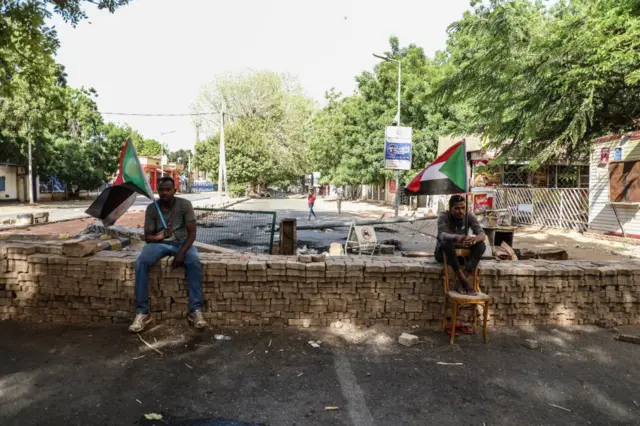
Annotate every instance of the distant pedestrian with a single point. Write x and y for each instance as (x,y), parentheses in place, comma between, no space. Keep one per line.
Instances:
(339,198)
(311,200)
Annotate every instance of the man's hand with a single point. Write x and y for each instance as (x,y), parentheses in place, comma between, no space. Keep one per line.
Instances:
(178,260)
(468,241)
(154,238)
(168,231)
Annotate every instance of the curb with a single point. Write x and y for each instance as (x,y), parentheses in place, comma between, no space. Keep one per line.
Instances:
(9,228)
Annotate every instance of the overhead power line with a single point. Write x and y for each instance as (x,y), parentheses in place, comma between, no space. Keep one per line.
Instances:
(158,115)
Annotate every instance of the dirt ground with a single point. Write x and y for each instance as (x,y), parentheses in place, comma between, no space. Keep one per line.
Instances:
(133,219)
(577,245)
(102,375)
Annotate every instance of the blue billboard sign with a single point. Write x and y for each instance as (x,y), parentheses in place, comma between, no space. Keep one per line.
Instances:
(398,148)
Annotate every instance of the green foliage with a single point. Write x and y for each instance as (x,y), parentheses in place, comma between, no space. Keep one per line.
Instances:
(347,137)
(237,190)
(63,123)
(149,147)
(27,44)
(538,81)
(77,164)
(180,156)
(266,128)
(542,81)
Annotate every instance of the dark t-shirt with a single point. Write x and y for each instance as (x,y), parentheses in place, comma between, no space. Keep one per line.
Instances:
(181,214)
(449,228)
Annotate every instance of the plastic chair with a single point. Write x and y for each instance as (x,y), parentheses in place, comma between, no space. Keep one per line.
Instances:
(458,300)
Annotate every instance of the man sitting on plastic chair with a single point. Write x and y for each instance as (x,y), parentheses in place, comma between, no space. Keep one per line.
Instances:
(451,235)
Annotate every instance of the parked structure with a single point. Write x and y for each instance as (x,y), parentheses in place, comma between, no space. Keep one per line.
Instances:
(153,170)
(614,200)
(11,184)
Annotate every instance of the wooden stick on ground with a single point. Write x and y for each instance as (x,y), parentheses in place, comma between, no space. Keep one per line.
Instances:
(147,343)
(557,406)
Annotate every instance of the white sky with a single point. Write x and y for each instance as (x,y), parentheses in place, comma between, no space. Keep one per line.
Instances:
(153,56)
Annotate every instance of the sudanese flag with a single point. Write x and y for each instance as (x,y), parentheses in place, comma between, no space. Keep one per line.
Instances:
(447,174)
(115,200)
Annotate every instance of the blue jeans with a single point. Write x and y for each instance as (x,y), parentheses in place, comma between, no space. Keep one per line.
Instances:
(151,253)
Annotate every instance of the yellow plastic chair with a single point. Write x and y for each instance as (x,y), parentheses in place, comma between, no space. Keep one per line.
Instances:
(458,299)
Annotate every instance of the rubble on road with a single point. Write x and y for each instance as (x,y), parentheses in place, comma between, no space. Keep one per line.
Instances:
(407,339)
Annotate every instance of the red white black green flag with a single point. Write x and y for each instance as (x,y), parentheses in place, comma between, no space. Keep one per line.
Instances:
(447,174)
(114,201)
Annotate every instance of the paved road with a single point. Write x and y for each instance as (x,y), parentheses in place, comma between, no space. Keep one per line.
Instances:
(103,375)
(413,236)
(75,210)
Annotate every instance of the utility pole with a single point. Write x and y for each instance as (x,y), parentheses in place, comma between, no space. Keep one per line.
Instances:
(222,173)
(398,171)
(31,191)
(386,58)
(190,178)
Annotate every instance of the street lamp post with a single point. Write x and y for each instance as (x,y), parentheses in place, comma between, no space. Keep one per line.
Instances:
(162,151)
(386,58)
(222,160)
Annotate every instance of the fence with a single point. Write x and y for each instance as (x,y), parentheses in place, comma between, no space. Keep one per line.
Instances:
(566,208)
(372,192)
(242,230)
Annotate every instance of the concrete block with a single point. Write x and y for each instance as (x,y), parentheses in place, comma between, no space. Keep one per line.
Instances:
(407,339)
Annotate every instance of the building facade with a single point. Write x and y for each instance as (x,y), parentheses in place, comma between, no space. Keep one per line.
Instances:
(614,190)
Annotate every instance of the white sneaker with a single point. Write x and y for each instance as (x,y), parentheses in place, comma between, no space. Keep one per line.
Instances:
(140,322)
(197,319)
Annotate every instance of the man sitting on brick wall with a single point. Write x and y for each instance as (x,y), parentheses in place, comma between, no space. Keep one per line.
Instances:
(175,240)
(451,235)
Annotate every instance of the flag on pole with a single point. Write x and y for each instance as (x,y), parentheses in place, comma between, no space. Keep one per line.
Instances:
(115,200)
(447,174)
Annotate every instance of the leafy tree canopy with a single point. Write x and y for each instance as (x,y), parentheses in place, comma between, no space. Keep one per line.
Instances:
(541,81)
(266,123)
(27,44)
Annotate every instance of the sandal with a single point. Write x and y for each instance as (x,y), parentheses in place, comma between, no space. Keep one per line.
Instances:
(448,331)
(464,329)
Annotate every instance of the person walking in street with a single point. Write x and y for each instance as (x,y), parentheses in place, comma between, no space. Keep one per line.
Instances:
(176,239)
(339,198)
(311,200)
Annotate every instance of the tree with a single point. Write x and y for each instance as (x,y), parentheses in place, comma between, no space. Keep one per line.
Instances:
(266,128)
(27,44)
(541,81)
(62,123)
(180,156)
(149,147)
(347,136)
(81,157)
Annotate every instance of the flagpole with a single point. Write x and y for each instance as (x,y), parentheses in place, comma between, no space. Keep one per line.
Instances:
(164,224)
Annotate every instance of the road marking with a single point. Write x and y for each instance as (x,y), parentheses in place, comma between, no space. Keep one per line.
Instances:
(356,402)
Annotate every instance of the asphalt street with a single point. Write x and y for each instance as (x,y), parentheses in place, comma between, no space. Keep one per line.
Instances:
(411,236)
(104,375)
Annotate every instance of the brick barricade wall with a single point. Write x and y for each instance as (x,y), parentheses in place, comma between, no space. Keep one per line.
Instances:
(38,284)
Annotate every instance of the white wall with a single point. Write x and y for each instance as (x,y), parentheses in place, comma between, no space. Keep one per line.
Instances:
(602,218)
(11,184)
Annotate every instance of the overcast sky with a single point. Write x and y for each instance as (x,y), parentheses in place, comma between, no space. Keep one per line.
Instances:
(153,56)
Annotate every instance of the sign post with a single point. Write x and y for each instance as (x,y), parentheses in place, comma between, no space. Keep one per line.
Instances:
(397,154)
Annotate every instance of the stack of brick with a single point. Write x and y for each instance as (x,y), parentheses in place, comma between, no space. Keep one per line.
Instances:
(37,283)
